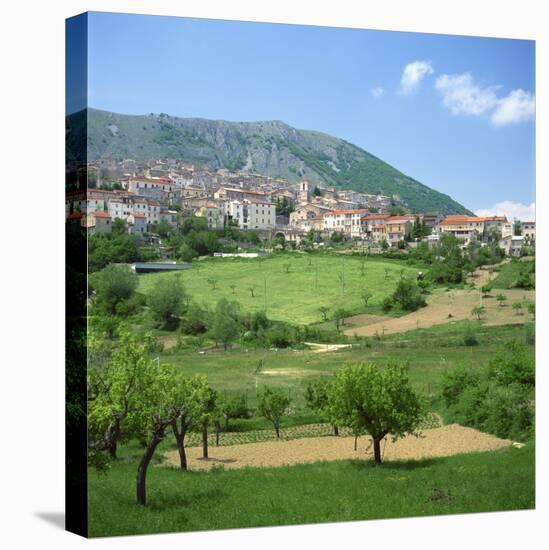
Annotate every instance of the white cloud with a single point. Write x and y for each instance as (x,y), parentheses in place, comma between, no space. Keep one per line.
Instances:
(377,92)
(413,74)
(518,106)
(523,212)
(463,96)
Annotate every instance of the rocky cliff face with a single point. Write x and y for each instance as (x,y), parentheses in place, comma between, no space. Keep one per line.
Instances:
(271,147)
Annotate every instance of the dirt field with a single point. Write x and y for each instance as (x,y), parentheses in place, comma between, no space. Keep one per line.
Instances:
(444,441)
(457,303)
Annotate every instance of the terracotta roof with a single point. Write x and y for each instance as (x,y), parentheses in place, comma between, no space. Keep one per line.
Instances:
(75,216)
(139,215)
(376,217)
(337,212)
(100,214)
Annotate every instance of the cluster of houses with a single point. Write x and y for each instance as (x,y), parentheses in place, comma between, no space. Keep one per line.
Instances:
(144,194)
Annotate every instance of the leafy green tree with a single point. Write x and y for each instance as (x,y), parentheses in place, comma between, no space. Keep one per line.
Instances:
(234,407)
(273,405)
(225,326)
(517,228)
(316,396)
(114,285)
(380,401)
(408,295)
(366,295)
(337,237)
(478,311)
(486,289)
(501,298)
(517,306)
(324,311)
(116,387)
(189,396)
(167,301)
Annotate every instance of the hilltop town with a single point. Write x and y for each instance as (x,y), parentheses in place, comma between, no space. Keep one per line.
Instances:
(149,195)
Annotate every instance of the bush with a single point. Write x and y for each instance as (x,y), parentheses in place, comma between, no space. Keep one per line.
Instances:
(469,336)
(499,398)
(408,295)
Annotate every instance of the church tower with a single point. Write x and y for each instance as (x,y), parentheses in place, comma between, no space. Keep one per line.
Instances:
(304,191)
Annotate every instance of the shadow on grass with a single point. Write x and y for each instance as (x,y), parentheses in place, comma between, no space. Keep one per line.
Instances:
(398,465)
(160,501)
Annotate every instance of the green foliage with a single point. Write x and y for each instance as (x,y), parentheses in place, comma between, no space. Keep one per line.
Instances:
(380,401)
(408,296)
(225,327)
(273,404)
(498,398)
(469,335)
(115,285)
(166,301)
(501,298)
(478,311)
(116,247)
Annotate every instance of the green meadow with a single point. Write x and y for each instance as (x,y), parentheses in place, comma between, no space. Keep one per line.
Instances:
(290,287)
(346,490)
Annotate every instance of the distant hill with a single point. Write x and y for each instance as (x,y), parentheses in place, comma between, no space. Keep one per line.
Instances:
(271,148)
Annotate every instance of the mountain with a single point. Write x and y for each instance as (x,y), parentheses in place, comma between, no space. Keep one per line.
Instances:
(270,147)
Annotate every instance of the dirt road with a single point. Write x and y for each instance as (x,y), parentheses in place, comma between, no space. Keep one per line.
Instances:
(444,441)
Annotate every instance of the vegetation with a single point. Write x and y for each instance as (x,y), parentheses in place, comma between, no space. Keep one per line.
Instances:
(499,398)
(378,402)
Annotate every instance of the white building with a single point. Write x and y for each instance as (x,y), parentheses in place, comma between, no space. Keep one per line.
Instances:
(347,221)
(252,213)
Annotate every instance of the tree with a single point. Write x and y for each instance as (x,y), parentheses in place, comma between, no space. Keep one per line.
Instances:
(316,396)
(486,289)
(337,237)
(517,228)
(287,267)
(273,404)
(252,290)
(116,389)
(159,407)
(208,413)
(166,300)
(114,285)
(339,316)
(213,282)
(366,295)
(478,311)
(233,408)
(225,326)
(517,306)
(189,397)
(380,401)
(501,298)
(532,309)
(408,295)
(324,310)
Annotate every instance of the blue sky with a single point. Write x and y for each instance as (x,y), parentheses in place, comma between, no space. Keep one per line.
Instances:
(456,113)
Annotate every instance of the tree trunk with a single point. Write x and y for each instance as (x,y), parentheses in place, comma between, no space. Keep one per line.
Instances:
(356,440)
(217,430)
(158,435)
(113,435)
(180,442)
(277,430)
(336,430)
(377,450)
(205,441)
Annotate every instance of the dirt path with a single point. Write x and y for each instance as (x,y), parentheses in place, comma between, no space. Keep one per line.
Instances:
(323,348)
(443,307)
(444,441)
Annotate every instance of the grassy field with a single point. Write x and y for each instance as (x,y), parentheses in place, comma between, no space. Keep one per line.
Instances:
(358,490)
(509,272)
(429,352)
(291,286)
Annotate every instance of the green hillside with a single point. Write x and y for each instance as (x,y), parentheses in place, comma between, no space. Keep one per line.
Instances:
(269,147)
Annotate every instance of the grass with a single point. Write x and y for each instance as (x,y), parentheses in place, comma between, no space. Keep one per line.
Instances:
(429,352)
(292,286)
(320,492)
(509,273)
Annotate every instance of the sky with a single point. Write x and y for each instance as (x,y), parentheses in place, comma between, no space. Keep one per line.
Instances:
(454,112)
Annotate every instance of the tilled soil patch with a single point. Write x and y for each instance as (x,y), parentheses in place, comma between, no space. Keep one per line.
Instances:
(445,441)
